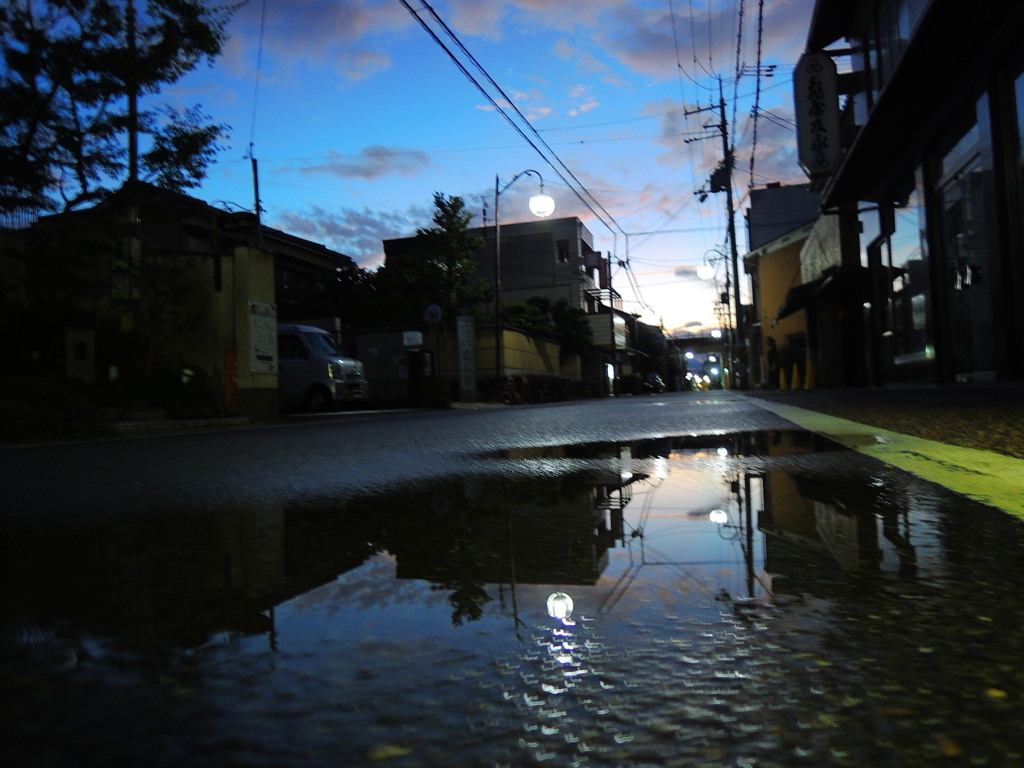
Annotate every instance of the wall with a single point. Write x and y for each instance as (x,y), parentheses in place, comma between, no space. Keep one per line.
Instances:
(822,248)
(388,362)
(256,378)
(530,355)
(778,270)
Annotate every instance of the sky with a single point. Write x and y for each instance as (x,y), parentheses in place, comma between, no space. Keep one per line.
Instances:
(357,116)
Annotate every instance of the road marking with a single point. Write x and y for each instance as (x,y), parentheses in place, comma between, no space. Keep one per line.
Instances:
(984,476)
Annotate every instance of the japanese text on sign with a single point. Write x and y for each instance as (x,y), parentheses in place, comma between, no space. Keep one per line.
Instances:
(817,113)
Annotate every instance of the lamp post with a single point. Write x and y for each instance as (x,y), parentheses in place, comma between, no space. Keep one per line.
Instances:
(542,206)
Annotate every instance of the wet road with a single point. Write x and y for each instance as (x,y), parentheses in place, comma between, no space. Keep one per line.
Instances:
(684,580)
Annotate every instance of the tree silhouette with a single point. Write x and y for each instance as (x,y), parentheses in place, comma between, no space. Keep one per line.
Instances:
(71,76)
(436,269)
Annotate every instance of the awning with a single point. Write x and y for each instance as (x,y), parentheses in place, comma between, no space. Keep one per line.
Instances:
(938,68)
(841,285)
(799,297)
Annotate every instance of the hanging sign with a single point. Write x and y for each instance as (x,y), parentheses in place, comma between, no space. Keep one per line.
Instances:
(816,94)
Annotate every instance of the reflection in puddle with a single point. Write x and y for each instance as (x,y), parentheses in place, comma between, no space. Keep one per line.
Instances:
(744,599)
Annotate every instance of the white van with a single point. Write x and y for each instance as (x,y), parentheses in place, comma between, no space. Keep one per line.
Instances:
(314,372)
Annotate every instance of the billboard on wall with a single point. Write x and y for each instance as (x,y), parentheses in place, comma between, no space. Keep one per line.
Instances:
(816,95)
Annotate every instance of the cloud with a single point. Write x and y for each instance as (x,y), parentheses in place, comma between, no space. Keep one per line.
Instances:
(686,271)
(349,36)
(371,163)
(358,233)
(585,61)
(775,154)
(583,100)
(476,18)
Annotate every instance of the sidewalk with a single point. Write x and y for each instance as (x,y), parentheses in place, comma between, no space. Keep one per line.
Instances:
(969,439)
(987,417)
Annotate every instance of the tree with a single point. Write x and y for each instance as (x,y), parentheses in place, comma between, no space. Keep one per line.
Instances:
(436,269)
(558,320)
(71,74)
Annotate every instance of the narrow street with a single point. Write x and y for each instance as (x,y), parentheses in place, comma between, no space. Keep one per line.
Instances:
(684,579)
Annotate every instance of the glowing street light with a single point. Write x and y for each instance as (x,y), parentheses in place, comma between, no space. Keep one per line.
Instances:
(541,204)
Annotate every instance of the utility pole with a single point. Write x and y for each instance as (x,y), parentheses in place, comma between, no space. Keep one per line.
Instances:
(721,181)
(133,96)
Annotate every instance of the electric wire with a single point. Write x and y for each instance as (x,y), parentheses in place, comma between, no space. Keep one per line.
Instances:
(778,120)
(256,79)
(550,157)
(681,71)
(757,89)
(508,109)
(739,61)
(693,44)
(469,76)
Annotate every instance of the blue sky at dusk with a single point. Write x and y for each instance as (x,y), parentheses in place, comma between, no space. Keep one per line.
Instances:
(357,117)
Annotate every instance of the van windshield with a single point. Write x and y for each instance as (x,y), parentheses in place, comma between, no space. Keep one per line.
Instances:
(323,344)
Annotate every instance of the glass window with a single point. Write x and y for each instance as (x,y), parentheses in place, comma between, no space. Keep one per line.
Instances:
(290,347)
(889,32)
(968,246)
(889,37)
(1018,88)
(909,300)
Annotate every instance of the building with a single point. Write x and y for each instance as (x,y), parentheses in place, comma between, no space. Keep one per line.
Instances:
(555,259)
(914,142)
(155,297)
(779,221)
(550,258)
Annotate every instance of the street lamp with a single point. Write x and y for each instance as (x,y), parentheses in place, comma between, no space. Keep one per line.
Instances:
(542,206)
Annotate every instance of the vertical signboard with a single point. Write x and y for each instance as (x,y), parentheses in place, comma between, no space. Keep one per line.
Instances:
(816,95)
(263,337)
(465,331)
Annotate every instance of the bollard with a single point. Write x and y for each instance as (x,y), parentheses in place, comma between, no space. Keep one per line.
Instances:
(796,378)
(783,382)
(810,380)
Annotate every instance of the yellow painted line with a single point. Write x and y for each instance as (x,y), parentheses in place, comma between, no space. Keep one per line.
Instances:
(988,477)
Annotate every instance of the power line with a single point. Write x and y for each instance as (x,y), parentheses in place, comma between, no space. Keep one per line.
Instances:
(739,62)
(693,45)
(550,156)
(610,122)
(256,79)
(547,154)
(679,63)
(757,89)
(780,121)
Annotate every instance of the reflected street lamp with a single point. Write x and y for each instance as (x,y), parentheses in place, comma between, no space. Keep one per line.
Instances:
(542,206)
(560,607)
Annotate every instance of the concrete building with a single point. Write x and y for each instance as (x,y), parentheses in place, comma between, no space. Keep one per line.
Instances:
(550,258)
(555,258)
(911,123)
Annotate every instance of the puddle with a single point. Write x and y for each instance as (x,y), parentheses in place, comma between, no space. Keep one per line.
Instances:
(744,599)
(734,444)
